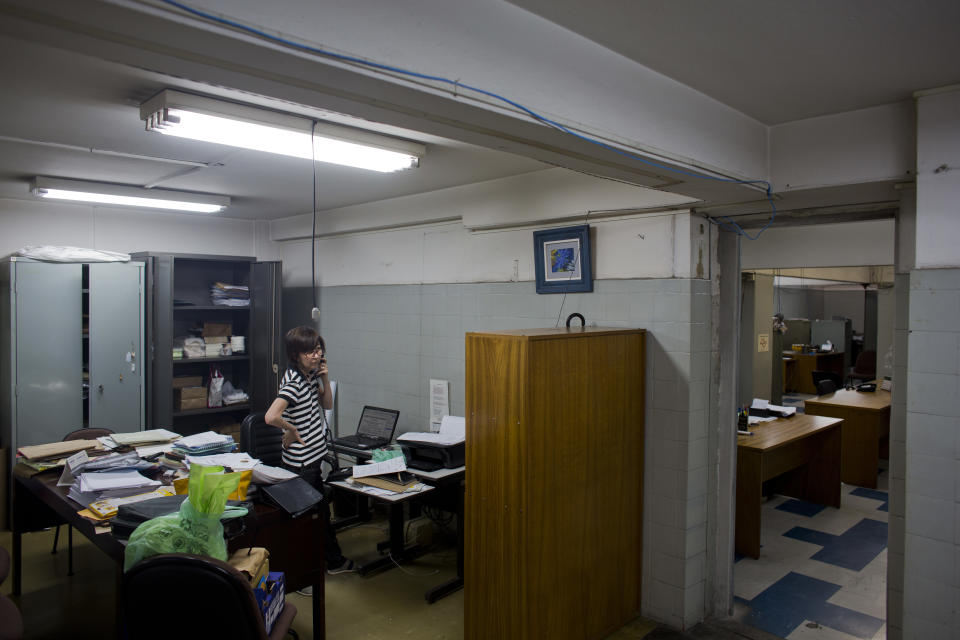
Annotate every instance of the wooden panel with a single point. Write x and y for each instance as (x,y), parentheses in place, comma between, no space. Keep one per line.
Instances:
(866,431)
(496,385)
(554,482)
(809,362)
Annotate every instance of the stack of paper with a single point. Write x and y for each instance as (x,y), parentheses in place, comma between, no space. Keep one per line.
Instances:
(236,461)
(204,444)
(141,438)
(93,486)
(452,431)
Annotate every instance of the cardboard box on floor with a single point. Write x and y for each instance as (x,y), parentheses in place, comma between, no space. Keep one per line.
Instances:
(253,562)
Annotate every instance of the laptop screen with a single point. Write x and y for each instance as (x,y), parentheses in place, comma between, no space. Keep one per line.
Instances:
(377,423)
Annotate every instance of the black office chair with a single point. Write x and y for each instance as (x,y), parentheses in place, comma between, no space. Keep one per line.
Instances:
(11,623)
(79,434)
(261,440)
(826,386)
(219,598)
(832,376)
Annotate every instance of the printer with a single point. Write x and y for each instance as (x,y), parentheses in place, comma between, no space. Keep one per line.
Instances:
(432,451)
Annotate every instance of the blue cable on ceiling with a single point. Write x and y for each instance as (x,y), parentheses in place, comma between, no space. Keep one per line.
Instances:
(724,221)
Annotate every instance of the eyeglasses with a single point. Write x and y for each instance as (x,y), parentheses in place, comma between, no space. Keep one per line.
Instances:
(316,353)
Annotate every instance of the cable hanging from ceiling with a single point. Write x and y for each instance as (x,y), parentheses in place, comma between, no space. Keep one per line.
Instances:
(724,222)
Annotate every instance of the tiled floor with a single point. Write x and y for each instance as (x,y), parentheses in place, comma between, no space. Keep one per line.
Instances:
(822,571)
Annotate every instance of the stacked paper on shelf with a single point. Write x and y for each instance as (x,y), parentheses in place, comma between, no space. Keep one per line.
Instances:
(230,295)
(206,443)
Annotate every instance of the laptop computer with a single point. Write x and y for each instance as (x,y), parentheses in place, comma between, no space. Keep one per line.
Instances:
(375,429)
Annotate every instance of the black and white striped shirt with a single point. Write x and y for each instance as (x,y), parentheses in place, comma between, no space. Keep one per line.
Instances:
(306,414)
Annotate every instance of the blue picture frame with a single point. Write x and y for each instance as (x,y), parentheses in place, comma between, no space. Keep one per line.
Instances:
(563,260)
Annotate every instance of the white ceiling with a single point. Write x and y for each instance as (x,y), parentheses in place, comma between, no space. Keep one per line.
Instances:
(779,60)
(775,60)
(54,96)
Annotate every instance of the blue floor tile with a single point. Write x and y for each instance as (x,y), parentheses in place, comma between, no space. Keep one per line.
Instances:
(853,550)
(801,507)
(790,601)
(873,494)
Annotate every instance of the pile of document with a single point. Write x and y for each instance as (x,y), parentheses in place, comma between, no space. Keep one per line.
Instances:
(230,295)
(93,486)
(204,444)
(232,395)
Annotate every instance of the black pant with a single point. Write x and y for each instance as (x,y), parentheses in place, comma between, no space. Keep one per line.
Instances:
(331,548)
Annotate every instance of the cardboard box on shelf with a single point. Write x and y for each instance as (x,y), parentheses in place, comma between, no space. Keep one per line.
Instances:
(213,329)
(187,381)
(191,398)
(215,339)
(192,403)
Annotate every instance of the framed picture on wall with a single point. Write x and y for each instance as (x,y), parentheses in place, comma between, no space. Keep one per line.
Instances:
(562,259)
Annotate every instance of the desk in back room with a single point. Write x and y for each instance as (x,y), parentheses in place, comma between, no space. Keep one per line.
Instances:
(797,371)
(866,430)
(800,454)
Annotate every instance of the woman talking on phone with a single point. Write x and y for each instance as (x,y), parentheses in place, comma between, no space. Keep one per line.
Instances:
(299,411)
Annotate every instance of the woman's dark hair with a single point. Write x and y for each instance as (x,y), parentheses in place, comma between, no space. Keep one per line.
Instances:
(303,339)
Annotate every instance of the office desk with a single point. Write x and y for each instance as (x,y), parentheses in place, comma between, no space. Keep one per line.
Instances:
(799,374)
(800,455)
(445,485)
(866,430)
(295,544)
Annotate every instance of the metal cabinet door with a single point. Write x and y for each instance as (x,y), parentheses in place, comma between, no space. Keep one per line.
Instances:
(116,346)
(49,351)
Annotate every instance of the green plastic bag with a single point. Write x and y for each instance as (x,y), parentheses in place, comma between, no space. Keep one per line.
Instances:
(196,528)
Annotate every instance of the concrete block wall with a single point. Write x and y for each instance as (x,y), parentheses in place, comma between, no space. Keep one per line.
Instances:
(385,343)
(931,465)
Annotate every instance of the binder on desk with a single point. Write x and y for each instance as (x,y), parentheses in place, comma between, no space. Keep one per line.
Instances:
(295,496)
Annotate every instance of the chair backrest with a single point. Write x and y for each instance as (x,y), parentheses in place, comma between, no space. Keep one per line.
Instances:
(826,386)
(261,440)
(217,596)
(87,434)
(817,376)
(866,363)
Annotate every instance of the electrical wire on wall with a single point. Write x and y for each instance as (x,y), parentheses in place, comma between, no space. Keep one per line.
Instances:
(724,222)
(315,312)
(576,261)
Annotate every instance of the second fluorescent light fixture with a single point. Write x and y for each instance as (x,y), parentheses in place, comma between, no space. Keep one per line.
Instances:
(199,118)
(126,196)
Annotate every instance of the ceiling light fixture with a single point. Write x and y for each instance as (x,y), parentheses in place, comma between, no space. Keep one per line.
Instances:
(126,196)
(199,118)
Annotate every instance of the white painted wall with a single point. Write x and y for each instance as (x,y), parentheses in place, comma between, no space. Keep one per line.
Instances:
(653,245)
(538,197)
(25,222)
(847,148)
(822,245)
(938,142)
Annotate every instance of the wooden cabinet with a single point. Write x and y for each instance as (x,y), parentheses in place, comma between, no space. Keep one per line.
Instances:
(554,482)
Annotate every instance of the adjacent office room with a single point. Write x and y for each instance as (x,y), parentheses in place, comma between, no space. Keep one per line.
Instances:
(655,151)
(837,323)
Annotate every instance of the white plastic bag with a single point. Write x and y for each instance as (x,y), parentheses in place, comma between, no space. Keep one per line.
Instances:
(215,389)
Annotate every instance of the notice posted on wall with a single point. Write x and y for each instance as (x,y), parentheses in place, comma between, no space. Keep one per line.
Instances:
(439,403)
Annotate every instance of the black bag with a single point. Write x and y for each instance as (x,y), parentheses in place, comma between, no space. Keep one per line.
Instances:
(296,496)
(130,516)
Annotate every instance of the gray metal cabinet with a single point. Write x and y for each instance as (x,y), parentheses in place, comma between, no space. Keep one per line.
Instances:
(179,304)
(71,338)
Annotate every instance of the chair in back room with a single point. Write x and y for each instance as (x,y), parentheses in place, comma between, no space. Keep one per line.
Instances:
(214,599)
(79,434)
(865,368)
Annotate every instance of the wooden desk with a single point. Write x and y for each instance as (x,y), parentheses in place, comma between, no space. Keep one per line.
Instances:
(866,430)
(806,363)
(295,544)
(799,455)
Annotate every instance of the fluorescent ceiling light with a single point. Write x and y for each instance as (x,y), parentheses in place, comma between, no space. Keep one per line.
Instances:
(104,193)
(199,118)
